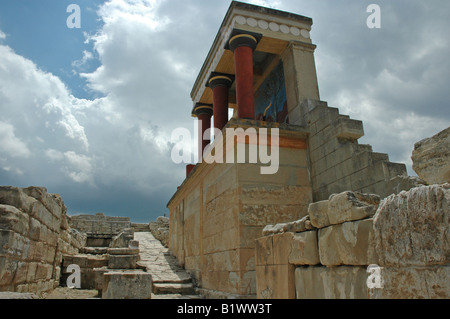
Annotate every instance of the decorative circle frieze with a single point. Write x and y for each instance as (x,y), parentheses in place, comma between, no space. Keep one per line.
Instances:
(273,26)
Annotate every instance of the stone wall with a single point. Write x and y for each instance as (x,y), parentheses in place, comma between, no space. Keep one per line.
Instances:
(99,224)
(431,158)
(339,163)
(160,229)
(99,228)
(221,208)
(327,254)
(34,234)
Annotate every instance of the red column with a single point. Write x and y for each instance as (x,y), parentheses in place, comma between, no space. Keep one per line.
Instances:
(220,83)
(203,112)
(204,124)
(243,46)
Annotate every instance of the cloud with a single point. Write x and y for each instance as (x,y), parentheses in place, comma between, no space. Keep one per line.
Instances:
(113,153)
(12,145)
(2,35)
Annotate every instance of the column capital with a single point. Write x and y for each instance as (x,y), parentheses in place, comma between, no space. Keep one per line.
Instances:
(240,38)
(202,108)
(216,79)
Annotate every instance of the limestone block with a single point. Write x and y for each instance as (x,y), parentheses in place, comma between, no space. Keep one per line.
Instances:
(98,277)
(16,197)
(122,251)
(300,225)
(431,158)
(412,228)
(432,282)
(348,206)
(297,226)
(304,249)
(264,251)
(43,215)
(343,207)
(318,214)
(8,269)
(97,261)
(35,229)
(17,295)
(11,243)
(13,219)
(282,248)
(274,229)
(349,243)
(343,282)
(348,128)
(262,215)
(122,261)
(275,282)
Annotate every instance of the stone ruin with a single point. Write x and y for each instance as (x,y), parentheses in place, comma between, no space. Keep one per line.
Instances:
(39,241)
(337,220)
(35,235)
(335,211)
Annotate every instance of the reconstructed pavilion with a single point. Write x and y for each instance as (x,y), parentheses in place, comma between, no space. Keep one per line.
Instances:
(261,65)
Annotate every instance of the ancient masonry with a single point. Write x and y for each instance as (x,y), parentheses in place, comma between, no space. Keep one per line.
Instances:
(335,220)
(312,229)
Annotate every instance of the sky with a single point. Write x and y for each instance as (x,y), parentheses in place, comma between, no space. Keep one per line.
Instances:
(88,112)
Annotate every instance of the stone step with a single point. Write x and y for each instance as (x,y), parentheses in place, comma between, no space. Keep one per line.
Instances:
(173,288)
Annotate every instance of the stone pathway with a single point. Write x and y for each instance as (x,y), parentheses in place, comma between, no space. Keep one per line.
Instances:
(169,279)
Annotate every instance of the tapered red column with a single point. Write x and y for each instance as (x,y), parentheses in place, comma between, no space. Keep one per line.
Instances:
(203,112)
(219,84)
(243,45)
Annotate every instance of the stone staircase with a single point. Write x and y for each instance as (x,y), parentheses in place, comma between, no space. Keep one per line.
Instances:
(136,227)
(170,281)
(339,162)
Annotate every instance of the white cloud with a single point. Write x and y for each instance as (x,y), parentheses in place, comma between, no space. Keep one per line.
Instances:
(2,35)
(150,52)
(80,167)
(78,64)
(10,144)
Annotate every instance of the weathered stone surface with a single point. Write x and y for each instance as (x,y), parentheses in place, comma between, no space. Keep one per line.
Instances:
(297,226)
(344,282)
(348,206)
(412,228)
(122,239)
(122,261)
(304,249)
(275,282)
(343,207)
(349,243)
(431,158)
(400,183)
(123,251)
(17,295)
(318,214)
(160,229)
(33,238)
(431,282)
(13,219)
(127,285)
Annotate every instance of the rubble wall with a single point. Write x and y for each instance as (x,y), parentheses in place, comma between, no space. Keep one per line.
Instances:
(354,246)
(34,234)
